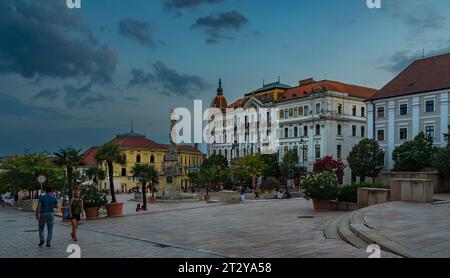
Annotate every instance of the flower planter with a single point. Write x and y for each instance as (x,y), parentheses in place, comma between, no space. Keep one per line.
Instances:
(92,213)
(321,204)
(114,209)
(152,200)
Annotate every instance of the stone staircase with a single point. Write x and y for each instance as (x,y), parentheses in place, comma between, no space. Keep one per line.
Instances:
(352,228)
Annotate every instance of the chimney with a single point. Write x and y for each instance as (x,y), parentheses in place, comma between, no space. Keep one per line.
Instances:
(306,82)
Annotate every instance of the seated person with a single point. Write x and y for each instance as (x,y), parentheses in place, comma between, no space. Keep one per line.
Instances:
(242,197)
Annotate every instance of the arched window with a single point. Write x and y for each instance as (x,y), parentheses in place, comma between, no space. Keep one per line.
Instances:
(138,158)
(152,159)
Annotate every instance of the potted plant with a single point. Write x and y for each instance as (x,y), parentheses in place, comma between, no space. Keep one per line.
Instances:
(321,188)
(94,199)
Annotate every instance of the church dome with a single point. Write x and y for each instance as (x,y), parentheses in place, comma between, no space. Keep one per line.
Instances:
(219,101)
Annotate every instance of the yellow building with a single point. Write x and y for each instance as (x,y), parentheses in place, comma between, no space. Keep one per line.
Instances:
(137,149)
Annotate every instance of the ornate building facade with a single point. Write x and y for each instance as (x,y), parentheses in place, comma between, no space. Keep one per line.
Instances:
(315,119)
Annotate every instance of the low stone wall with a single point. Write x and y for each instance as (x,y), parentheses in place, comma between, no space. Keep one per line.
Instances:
(343,206)
(439,185)
(412,190)
(372,196)
(30,205)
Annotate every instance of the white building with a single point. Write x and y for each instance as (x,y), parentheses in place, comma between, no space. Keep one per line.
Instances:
(316,119)
(415,101)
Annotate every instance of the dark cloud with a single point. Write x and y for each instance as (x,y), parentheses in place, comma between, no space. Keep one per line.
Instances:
(418,17)
(168,81)
(83,96)
(215,24)
(139,31)
(176,6)
(140,78)
(401,59)
(45,39)
(11,106)
(50,94)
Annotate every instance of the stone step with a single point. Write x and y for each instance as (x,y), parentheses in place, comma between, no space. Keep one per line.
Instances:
(347,235)
(331,228)
(371,237)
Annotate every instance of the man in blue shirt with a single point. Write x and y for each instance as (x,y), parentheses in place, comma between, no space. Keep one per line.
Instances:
(45,214)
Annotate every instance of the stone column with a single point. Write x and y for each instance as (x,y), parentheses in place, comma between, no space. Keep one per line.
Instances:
(415,116)
(391,131)
(370,121)
(444,117)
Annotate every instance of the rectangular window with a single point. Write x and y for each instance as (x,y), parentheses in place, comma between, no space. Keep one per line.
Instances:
(318,111)
(317,154)
(380,135)
(305,153)
(306,110)
(305,131)
(429,131)
(403,109)
(281,114)
(295,131)
(291,112)
(286,113)
(286,132)
(339,108)
(363,111)
(354,111)
(300,111)
(339,128)
(354,130)
(124,172)
(296,112)
(339,152)
(363,131)
(380,112)
(403,133)
(429,106)
(317,130)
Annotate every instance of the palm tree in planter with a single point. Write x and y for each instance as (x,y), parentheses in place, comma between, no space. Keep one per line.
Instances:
(111,154)
(69,158)
(147,175)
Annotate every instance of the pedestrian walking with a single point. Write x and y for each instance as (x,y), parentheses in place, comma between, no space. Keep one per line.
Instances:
(75,212)
(45,214)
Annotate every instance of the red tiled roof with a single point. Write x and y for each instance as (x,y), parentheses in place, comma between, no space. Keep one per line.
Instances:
(185,148)
(136,142)
(307,90)
(425,75)
(89,157)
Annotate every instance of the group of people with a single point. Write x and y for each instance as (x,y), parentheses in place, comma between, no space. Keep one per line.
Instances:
(45,215)
(280,194)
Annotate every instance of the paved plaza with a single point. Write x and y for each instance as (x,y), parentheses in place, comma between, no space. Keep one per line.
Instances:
(256,229)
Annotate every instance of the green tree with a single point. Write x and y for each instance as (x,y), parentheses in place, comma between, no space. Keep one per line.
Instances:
(414,155)
(273,165)
(69,158)
(441,160)
(290,166)
(213,170)
(147,175)
(20,173)
(96,175)
(245,169)
(366,159)
(110,154)
(196,178)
